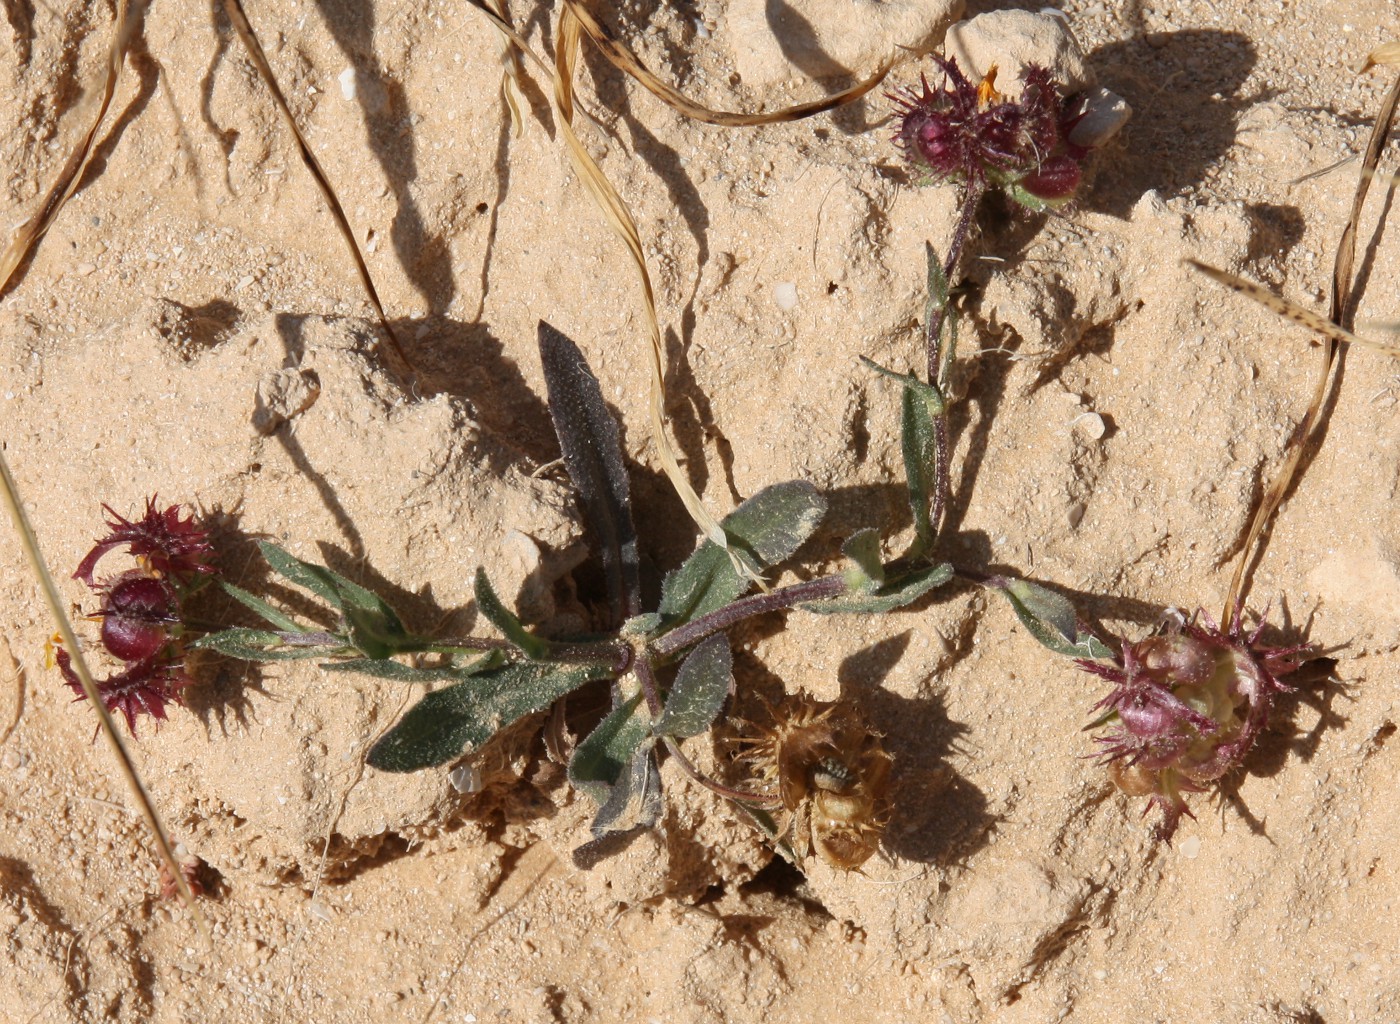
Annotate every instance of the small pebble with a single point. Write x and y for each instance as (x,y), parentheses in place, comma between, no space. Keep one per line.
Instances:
(1191,847)
(1091,425)
(347,83)
(785,295)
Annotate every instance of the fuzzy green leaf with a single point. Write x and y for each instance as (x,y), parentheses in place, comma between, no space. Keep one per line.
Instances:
(865,573)
(635,799)
(599,759)
(450,722)
(503,619)
(273,615)
(702,684)
(896,593)
(1049,618)
(592,450)
(317,579)
(260,645)
(920,464)
(770,526)
(395,671)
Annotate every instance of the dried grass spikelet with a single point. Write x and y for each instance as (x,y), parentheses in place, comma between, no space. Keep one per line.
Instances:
(832,774)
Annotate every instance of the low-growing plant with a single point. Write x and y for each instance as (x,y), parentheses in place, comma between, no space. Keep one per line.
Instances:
(670,668)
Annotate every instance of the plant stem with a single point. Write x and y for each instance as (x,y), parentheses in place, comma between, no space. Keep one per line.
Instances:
(745,608)
(767,803)
(641,668)
(940,358)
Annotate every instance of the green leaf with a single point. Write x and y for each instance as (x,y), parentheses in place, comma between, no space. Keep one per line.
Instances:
(599,759)
(897,593)
(865,573)
(702,684)
(1049,618)
(273,615)
(592,449)
(642,625)
(317,579)
(635,799)
(920,466)
(260,645)
(452,721)
(503,619)
(928,392)
(771,526)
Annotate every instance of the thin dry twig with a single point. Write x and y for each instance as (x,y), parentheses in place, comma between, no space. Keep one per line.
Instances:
(1341,297)
(620,220)
(30,543)
(241,25)
(28,234)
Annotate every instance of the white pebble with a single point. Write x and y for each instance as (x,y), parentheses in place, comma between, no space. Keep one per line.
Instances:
(1091,425)
(1191,847)
(347,83)
(465,779)
(785,295)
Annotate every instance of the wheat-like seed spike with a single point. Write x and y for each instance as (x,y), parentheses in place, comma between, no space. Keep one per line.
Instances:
(1298,314)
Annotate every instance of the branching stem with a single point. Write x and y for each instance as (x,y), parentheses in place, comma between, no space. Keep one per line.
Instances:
(746,608)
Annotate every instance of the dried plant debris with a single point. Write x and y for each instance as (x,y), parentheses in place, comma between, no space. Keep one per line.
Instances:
(830,774)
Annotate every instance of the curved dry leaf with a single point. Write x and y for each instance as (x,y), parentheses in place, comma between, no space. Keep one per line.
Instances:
(1291,310)
(1386,53)
(621,58)
(27,235)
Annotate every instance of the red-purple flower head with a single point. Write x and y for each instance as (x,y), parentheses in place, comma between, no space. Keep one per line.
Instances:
(169,545)
(141,609)
(1186,709)
(973,134)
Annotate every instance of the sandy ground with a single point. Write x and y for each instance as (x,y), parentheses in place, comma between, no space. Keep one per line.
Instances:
(195,277)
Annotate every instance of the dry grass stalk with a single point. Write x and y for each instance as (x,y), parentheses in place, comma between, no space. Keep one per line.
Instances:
(620,220)
(1339,312)
(138,789)
(236,15)
(510,78)
(621,58)
(28,234)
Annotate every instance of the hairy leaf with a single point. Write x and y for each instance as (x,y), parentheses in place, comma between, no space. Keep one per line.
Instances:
(317,579)
(635,799)
(1049,618)
(771,526)
(260,645)
(896,593)
(702,684)
(395,671)
(588,437)
(450,722)
(917,445)
(273,615)
(503,619)
(865,573)
(599,759)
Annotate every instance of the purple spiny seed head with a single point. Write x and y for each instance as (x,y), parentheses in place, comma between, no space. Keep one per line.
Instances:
(144,688)
(969,132)
(1186,708)
(171,546)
